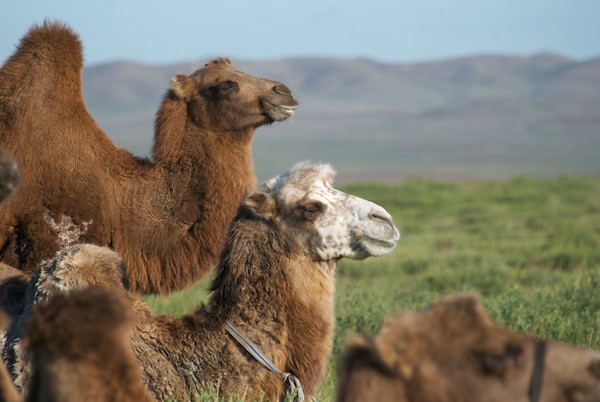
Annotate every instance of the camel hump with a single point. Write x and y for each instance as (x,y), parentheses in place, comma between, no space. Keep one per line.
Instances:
(52,38)
(49,56)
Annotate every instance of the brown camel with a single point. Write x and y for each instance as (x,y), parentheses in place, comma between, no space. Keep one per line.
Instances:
(168,216)
(80,349)
(454,352)
(275,283)
(102,266)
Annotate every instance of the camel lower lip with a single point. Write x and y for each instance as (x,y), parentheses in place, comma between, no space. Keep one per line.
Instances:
(382,242)
(289,108)
(278,112)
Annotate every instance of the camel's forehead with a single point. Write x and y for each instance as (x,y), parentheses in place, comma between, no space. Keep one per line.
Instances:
(302,179)
(214,69)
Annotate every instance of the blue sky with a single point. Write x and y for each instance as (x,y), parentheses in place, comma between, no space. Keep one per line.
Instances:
(163,32)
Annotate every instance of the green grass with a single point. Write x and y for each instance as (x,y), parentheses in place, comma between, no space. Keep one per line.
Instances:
(529,247)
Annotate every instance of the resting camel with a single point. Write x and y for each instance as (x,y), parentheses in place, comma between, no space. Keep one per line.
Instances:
(454,352)
(168,216)
(80,349)
(274,283)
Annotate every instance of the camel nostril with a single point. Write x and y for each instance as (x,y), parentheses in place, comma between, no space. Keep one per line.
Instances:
(380,218)
(282,89)
(386,222)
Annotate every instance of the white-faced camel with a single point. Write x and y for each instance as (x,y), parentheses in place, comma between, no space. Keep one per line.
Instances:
(274,283)
(454,352)
(167,216)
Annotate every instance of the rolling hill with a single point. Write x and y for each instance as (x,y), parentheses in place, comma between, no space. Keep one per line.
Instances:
(479,117)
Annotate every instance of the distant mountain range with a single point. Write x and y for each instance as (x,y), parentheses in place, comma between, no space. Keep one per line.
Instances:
(480,117)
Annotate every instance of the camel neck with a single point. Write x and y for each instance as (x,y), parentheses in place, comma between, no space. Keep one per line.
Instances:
(286,310)
(178,136)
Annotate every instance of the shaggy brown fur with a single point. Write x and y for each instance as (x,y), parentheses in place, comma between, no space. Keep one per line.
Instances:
(9,174)
(80,348)
(75,267)
(12,281)
(167,217)
(8,391)
(271,284)
(454,352)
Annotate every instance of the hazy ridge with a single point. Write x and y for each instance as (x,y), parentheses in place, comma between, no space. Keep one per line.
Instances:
(481,117)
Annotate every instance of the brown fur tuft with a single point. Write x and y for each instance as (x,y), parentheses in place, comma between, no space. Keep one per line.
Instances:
(183,86)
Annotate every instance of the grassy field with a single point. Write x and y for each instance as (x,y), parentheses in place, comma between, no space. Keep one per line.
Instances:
(529,247)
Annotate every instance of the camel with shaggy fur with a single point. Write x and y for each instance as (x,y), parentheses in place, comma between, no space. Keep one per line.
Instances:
(79,343)
(79,346)
(74,268)
(168,216)
(454,352)
(275,283)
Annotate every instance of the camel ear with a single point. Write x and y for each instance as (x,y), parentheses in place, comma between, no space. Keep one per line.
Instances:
(261,204)
(394,358)
(378,354)
(183,86)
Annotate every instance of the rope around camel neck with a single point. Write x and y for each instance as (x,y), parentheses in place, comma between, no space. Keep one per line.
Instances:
(291,382)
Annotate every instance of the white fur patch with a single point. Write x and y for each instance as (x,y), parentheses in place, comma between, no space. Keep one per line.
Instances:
(68,233)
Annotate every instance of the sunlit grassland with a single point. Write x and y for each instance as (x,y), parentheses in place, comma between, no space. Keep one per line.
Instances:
(529,247)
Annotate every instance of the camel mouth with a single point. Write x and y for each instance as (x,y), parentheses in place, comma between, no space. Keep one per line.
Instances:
(378,247)
(371,247)
(381,239)
(278,112)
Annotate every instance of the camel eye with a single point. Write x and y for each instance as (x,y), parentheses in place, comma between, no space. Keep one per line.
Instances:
(224,89)
(312,209)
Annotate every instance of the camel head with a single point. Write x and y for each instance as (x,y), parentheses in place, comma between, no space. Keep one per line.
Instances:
(9,174)
(222,98)
(329,223)
(453,351)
